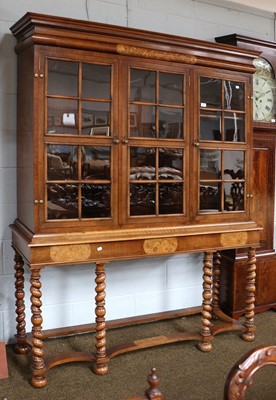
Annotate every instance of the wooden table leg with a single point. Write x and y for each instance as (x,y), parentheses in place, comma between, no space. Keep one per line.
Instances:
(216,281)
(39,379)
(100,367)
(206,324)
(249,334)
(21,346)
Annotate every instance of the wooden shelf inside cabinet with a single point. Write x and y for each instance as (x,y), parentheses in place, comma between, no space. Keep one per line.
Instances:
(124,164)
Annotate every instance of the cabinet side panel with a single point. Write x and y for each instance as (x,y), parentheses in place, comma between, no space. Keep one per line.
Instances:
(263,192)
(25,154)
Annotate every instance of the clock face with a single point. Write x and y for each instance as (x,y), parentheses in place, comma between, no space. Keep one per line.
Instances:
(263,84)
(263,99)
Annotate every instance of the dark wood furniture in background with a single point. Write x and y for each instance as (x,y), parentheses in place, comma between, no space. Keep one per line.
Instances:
(4,372)
(264,134)
(130,144)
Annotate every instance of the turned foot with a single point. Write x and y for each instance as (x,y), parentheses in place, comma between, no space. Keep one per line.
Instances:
(205,346)
(100,369)
(21,348)
(248,336)
(39,381)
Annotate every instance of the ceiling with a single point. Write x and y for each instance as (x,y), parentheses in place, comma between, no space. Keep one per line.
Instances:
(267,5)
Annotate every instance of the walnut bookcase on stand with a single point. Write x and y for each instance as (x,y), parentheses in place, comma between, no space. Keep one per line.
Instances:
(130,144)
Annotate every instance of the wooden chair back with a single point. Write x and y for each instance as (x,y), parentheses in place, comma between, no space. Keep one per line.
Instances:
(240,378)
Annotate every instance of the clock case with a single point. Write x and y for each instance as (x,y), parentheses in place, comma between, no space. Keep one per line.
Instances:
(263,91)
(234,262)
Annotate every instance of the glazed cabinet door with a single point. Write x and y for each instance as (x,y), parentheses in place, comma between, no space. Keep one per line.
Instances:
(80,124)
(220,147)
(156,152)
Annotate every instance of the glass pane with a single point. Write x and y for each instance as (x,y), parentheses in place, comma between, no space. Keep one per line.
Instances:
(142,199)
(234,196)
(62,201)
(96,81)
(233,95)
(142,163)
(234,127)
(95,201)
(210,93)
(170,89)
(142,85)
(63,78)
(170,123)
(62,116)
(233,164)
(170,164)
(210,126)
(171,198)
(210,196)
(210,164)
(60,162)
(95,118)
(143,124)
(95,162)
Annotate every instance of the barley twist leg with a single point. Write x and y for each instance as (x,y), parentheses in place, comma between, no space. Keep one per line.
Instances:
(216,280)
(249,334)
(206,324)
(39,380)
(100,367)
(21,346)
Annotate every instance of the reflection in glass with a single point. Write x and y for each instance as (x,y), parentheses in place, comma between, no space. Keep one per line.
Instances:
(95,201)
(142,85)
(210,164)
(234,127)
(95,118)
(171,198)
(62,78)
(210,196)
(170,164)
(142,199)
(234,196)
(210,93)
(62,201)
(95,162)
(142,163)
(170,123)
(96,81)
(143,125)
(233,95)
(233,164)
(210,125)
(62,116)
(170,89)
(60,163)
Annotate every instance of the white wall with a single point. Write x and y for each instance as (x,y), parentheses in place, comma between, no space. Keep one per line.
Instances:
(133,287)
